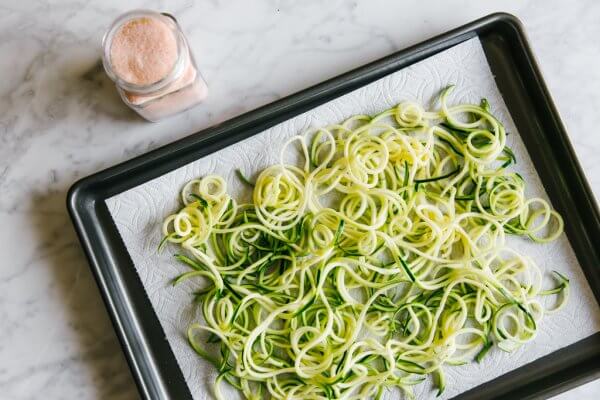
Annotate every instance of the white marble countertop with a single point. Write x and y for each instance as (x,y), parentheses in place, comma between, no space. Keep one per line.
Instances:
(61,119)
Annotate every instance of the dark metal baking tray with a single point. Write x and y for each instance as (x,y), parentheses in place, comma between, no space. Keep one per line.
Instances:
(517,75)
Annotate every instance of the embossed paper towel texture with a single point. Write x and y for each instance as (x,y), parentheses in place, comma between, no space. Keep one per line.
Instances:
(138,214)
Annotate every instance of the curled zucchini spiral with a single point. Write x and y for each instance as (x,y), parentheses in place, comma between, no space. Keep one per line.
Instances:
(378,262)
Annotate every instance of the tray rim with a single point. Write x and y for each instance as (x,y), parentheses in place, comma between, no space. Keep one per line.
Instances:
(84,196)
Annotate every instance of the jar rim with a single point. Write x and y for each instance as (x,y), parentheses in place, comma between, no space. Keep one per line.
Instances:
(178,66)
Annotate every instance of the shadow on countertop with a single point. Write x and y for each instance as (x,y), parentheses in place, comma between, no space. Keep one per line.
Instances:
(105,96)
(97,351)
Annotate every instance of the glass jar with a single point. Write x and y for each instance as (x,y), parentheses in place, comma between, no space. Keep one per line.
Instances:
(148,58)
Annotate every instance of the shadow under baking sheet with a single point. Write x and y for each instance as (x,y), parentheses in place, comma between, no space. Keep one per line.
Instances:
(96,352)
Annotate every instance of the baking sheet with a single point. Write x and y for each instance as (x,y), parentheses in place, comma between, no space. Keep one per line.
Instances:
(138,214)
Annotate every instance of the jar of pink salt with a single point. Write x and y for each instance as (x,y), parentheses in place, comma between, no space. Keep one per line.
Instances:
(148,58)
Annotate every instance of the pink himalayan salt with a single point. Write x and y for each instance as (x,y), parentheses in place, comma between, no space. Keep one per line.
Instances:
(143,51)
(187,91)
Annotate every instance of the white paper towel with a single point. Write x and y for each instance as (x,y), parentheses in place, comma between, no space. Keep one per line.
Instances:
(138,214)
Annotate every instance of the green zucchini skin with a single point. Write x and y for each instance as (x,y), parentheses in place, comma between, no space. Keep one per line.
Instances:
(374,265)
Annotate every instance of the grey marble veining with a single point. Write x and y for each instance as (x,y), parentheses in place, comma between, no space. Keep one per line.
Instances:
(61,119)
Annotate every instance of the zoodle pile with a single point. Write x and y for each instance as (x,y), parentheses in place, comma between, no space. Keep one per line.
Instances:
(378,261)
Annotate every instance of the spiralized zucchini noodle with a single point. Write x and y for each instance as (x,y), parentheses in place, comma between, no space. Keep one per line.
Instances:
(377,262)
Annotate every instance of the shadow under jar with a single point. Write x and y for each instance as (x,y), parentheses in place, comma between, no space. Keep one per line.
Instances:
(148,58)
